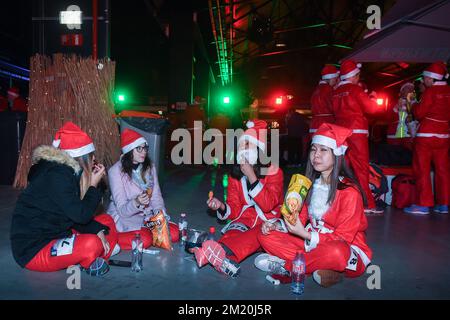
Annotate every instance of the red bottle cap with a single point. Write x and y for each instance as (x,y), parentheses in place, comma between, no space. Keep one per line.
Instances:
(212,230)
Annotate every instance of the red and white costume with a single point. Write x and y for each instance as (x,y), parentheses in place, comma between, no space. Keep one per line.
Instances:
(432,139)
(321,100)
(247,209)
(338,240)
(351,105)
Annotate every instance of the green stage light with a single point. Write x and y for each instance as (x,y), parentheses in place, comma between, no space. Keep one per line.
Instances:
(121,97)
(226,100)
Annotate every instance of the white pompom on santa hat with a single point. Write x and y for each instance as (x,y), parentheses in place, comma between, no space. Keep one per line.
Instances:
(332,136)
(73,140)
(329,72)
(256,133)
(437,71)
(130,139)
(349,68)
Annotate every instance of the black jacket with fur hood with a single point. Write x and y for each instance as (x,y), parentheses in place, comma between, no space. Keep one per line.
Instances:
(50,206)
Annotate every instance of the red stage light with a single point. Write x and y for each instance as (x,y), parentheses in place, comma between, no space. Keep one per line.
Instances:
(380,101)
(279,100)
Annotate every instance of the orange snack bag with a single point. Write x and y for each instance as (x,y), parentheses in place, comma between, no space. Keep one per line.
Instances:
(160,230)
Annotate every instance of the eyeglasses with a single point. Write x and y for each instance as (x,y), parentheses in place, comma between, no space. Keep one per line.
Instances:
(142,148)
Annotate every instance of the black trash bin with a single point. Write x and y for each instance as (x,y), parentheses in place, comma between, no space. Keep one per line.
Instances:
(154,131)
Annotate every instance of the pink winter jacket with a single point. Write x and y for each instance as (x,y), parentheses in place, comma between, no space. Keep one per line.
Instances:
(124,190)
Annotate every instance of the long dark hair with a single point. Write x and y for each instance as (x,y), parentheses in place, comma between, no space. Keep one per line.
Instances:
(340,169)
(127,164)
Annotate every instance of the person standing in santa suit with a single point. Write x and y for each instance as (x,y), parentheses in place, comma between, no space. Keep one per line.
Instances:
(255,195)
(321,105)
(17,103)
(351,106)
(334,241)
(431,144)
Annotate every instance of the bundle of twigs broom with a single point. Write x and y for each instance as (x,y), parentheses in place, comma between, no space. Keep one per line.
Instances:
(69,88)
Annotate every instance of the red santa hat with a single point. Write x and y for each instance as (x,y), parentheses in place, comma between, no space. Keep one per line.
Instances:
(437,70)
(332,136)
(329,72)
(256,133)
(73,140)
(349,68)
(13,92)
(130,139)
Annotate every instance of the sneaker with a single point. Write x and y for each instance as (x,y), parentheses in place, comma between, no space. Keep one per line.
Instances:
(440,208)
(200,257)
(417,209)
(216,256)
(98,268)
(116,250)
(327,278)
(374,211)
(268,263)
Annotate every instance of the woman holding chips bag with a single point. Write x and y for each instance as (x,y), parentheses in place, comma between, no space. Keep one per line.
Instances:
(334,241)
(255,194)
(136,196)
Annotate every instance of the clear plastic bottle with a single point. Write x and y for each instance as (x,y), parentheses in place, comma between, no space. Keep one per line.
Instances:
(211,234)
(298,274)
(137,248)
(183,227)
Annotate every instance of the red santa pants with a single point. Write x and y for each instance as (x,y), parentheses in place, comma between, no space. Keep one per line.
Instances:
(330,255)
(426,151)
(86,248)
(125,238)
(358,158)
(242,244)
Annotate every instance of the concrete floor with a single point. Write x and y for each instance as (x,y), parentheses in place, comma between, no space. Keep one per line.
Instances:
(412,252)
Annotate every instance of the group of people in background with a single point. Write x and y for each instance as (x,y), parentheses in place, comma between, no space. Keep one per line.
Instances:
(341,100)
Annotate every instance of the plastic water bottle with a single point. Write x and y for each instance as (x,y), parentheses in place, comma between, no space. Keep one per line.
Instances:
(211,234)
(183,227)
(298,274)
(137,248)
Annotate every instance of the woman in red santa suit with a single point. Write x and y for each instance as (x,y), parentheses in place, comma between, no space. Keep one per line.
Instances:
(431,143)
(351,106)
(334,241)
(255,195)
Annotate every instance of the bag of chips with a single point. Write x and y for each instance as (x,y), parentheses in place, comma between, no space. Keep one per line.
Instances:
(295,197)
(159,227)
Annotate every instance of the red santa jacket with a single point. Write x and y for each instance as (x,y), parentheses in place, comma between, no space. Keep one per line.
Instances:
(321,106)
(344,220)
(351,105)
(433,111)
(250,208)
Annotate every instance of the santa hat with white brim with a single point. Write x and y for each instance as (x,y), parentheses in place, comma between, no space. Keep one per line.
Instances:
(332,136)
(71,139)
(130,139)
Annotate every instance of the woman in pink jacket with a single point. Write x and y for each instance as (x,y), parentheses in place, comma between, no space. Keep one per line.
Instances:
(135,192)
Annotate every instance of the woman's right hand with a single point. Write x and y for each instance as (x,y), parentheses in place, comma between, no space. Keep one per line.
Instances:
(143,199)
(267,227)
(97,174)
(215,204)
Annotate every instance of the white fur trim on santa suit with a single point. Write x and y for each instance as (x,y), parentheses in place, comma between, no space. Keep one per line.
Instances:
(440,83)
(253,140)
(330,76)
(330,143)
(134,144)
(433,75)
(256,190)
(227,213)
(350,74)
(13,94)
(74,153)
(312,244)
(318,205)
